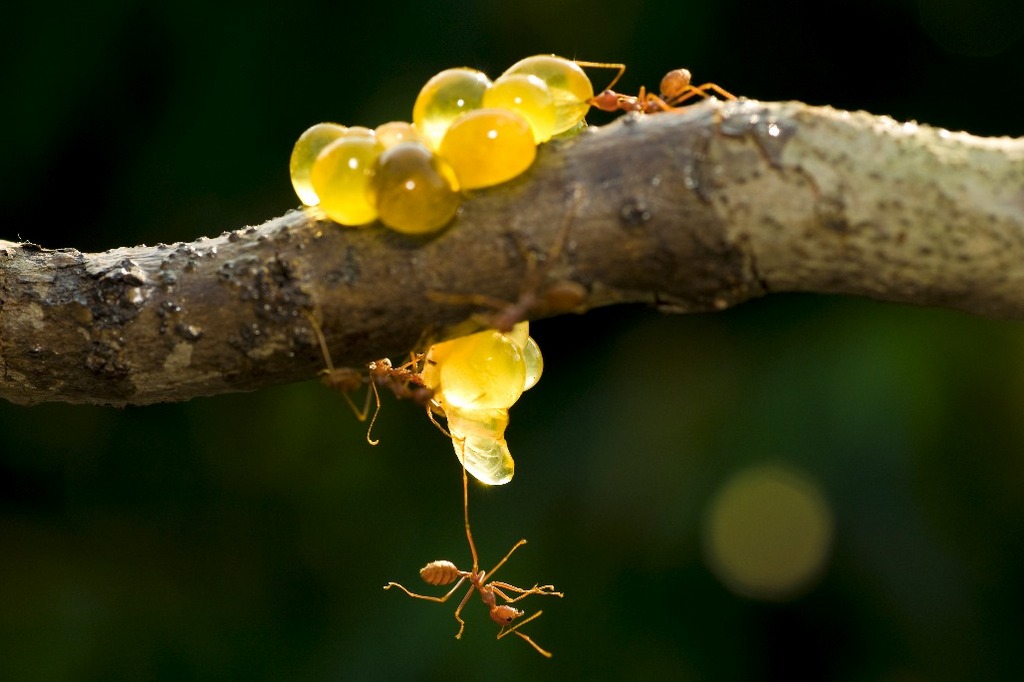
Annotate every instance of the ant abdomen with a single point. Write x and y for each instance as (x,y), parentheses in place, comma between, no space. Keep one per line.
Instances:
(440,572)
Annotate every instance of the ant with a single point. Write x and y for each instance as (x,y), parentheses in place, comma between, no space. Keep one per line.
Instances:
(444,572)
(535,299)
(676,88)
(403,381)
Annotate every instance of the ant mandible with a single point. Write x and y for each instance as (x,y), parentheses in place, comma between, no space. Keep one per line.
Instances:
(403,381)
(444,572)
(676,88)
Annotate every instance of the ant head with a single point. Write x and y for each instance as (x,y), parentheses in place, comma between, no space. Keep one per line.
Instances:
(504,614)
(606,101)
(382,366)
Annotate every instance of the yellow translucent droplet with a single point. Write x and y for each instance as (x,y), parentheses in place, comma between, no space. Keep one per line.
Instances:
(528,96)
(342,177)
(304,153)
(391,133)
(520,333)
(488,146)
(479,443)
(417,191)
(360,130)
(569,85)
(488,459)
(489,423)
(435,356)
(534,363)
(446,96)
(483,370)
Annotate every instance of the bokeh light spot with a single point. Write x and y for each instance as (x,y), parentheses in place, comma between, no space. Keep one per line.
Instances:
(768,533)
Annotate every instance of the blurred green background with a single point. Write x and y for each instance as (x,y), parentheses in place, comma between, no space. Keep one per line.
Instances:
(804,487)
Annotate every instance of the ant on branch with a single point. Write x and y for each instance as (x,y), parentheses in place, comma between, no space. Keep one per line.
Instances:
(444,572)
(403,381)
(676,87)
(537,298)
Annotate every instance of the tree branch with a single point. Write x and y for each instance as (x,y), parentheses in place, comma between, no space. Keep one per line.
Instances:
(695,210)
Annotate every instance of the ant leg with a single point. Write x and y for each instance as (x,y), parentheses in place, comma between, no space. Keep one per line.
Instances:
(320,338)
(433,420)
(498,586)
(555,297)
(344,379)
(515,630)
(716,89)
(566,296)
(692,91)
(376,394)
(458,611)
(653,104)
(506,630)
(687,93)
(428,597)
(409,367)
(542,652)
(502,562)
(478,300)
(469,533)
(563,233)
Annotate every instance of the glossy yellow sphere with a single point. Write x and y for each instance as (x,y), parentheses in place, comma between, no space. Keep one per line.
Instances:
(569,86)
(488,146)
(391,133)
(483,371)
(479,443)
(528,96)
(444,97)
(488,459)
(342,177)
(534,363)
(417,191)
(304,153)
(488,423)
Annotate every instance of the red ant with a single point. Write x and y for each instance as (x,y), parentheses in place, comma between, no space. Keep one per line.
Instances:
(444,572)
(676,88)
(535,298)
(403,381)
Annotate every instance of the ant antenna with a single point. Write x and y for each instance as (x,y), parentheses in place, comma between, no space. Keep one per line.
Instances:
(621,68)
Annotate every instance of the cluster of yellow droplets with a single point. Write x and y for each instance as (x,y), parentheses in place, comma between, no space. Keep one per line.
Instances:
(476,379)
(467,132)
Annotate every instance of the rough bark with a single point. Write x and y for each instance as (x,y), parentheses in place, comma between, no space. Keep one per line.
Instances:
(694,210)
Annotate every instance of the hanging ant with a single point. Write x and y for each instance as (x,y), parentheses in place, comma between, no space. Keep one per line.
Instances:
(676,88)
(444,572)
(536,298)
(403,381)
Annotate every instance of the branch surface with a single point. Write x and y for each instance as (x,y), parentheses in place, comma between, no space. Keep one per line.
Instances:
(693,210)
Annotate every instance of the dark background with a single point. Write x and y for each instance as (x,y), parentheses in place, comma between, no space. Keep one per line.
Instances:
(248,536)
